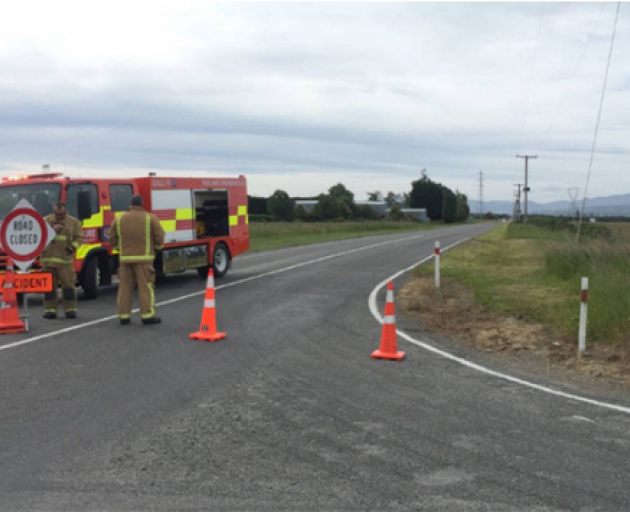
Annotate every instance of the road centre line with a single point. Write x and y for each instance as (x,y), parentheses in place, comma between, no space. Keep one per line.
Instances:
(196,294)
(447,355)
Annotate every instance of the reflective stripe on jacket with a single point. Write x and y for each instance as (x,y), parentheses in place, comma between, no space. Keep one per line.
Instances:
(60,251)
(136,234)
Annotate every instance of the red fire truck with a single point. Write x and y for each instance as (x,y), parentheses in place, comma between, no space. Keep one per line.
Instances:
(205,219)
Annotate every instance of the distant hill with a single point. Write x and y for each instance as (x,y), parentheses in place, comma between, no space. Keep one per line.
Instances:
(596,206)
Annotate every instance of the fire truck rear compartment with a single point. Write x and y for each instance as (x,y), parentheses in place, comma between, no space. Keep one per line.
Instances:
(211,213)
(211,220)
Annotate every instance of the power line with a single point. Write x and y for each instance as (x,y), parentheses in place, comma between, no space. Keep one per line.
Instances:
(599,117)
(565,94)
(531,73)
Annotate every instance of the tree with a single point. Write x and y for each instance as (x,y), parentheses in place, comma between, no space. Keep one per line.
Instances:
(374,196)
(395,213)
(390,199)
(281,206)
(449,205)
(365,212)
(463,210)
(300,213)
(341,192)
(330,207)
(256,205)
(427,194)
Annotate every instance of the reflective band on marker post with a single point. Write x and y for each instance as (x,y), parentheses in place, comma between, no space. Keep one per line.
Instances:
(209,303)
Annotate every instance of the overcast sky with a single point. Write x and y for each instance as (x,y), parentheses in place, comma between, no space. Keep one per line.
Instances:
(300,96)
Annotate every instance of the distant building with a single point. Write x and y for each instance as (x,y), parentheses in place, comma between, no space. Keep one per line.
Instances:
(379,207)
(307,204)
(419,214)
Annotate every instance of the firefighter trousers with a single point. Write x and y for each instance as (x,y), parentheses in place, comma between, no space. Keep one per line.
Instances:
(67,277)
(129,275)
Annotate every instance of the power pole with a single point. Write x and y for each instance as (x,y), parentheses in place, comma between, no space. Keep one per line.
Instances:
(517,203)
(480,195)
(525,187)
(574,192)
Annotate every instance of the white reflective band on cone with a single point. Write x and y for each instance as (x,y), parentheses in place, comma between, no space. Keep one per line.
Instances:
(210,283)
(209,303)
(390,296)
(389,319)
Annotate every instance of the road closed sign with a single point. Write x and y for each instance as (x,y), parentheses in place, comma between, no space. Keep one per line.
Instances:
(24,234)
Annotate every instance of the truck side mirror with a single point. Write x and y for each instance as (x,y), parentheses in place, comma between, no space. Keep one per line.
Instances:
(84,204)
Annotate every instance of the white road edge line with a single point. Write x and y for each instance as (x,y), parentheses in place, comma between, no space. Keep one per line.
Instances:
(374,310)
(202,292)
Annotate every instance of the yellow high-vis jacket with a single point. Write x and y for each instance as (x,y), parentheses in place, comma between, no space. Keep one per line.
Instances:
(60,252)
(136,234)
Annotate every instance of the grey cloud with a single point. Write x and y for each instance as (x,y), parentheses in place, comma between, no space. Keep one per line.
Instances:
(332,88)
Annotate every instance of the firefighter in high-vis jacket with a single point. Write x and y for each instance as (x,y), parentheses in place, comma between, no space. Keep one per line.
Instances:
(57,259)
(136,234)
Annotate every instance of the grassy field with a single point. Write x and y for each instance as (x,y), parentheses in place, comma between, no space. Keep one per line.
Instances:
(534,273)
(275,235)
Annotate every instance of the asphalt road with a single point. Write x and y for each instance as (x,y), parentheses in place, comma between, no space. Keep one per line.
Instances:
(289,412)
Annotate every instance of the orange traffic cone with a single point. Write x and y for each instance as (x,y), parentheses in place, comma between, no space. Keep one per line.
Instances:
(10,322)
(389,347)
(208,329)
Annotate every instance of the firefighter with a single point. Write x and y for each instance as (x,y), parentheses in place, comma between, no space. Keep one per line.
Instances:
(136,234)
(57,259)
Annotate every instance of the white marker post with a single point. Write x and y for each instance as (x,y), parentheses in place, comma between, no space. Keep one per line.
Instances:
(583,317)
(437,264)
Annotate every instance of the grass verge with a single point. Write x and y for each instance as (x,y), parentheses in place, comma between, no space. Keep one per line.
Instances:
(275,235)
(517,289)
(535,274)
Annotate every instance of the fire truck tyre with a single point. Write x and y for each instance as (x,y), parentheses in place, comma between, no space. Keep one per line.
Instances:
(89,279)
(220,260)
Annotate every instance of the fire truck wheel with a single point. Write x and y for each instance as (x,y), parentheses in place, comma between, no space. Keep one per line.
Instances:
(220,260)
(89,279)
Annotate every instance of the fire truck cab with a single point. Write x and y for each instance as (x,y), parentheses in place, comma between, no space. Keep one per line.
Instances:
(205,220)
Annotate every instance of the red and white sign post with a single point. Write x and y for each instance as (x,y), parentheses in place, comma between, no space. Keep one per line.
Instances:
(24,234)
(437,264)
(583,317)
